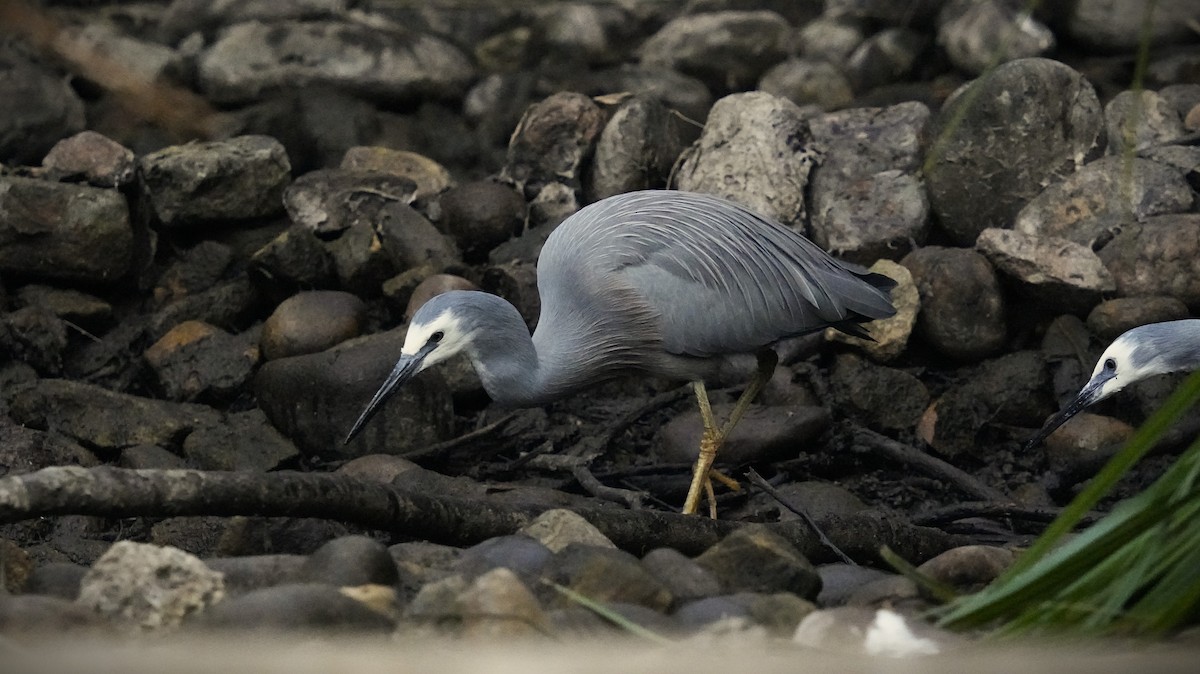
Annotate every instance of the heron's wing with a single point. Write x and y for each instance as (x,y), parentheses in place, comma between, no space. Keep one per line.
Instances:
(722,278)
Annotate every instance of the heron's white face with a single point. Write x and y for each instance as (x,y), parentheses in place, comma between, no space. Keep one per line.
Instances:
(443,336)
(1116,369)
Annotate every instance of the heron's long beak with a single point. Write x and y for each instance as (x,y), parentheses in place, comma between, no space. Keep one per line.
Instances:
(405,368)
(1091,393)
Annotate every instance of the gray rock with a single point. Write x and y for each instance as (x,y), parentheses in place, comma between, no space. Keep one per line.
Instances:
(296,606)
(105,419)
(141,63)
(918,13)
(977,35)
(359,260)
(34,336)
(349,561)
(186,16)
(243,441)
(780,612)
(315,398)
(1142,119)
(755,151)
(381,468)
(681,93)
(431,287)
(149,456)
(481,215)
(254,572)
(586,33)
(1060,275)
(867,199)
(822,501)
(1160,256)
(1028,124)
(881,397)
(552,140)
(518,553)
(808,82)
(93,157)
(195,360)
(40,108)
(839,581)
(764,434)
(728,50)
(193,271)
(229,180)
(24,450)
(294,260)
(56,579)
(80,308)
(605,575)
(327,201)
(968,568)
(1185,158)
(430,177)
(1077,451)
(65,232)
(376,61)
(227,305)
(891,590)
(962,308)
(312,321)
(829,39)
(1181,97)
(1111,318)
(683,577)
(754,559)
(497,605)
(636,150)
(39,616)
(1105,24)
(420,563)
(558,528)
(1089,205)
(149,588)
(885,57)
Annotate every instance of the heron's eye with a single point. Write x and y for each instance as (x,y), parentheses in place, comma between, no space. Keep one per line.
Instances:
(436,337)
(1110,365)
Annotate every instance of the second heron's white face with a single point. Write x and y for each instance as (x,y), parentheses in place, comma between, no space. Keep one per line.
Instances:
(443,334)
(1118,368)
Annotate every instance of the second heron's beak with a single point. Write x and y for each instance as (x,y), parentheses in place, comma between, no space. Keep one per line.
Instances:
(405,368)
(1091,393)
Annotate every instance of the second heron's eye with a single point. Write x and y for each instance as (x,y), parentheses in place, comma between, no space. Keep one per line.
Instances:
(436,337)
(1110,365)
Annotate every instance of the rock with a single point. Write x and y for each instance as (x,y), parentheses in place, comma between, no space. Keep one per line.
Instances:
(315,398)
(377,61)
(553,203)
(105,419)
(780,612)
(829,39)
(885,57)
(312,321)
(429,177)
(728,50)
(195,270)
(962,309)
(409,240)
(919,13)
(1091,204)
(41,107)
(432,287)
(1104,24)
(63,232)
(227,305)
(149,587)
(868,201)
(349,561)
(39,616)
(82,309)
(150,456)
(1109,319)
(24,450)
(682,576)
(1141,119)
(968,568)
(294,260)
(978,35)
(636,150)
(839,581)
(195,360)
(35,336)
(296,606)
(243,441)
(822,501)
(556,529)
(360,261)
(518,553)
(1159,256)
(577,32)
(879,632)
(1060,275)
(436,605)
(420,563)
(497,605)
(1077,450)
(56,579)
(1030,123)
(254,572)
(183,17)
(753,559)
(808,82)
(764,434)
(754,150)
(382,468)
(230,180)
(481,215)
(517,283)
(93,157)
(880,397)
(890,335)
(606,575)
(681,93)
(552,140)
(141,63)
(329,201)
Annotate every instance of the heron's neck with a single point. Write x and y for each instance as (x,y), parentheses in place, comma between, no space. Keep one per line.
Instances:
(518,372)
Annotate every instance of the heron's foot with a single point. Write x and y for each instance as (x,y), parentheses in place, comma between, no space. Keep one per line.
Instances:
(702,474)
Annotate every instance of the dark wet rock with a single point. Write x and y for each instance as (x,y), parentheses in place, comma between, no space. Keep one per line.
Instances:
(681,93)
(839,581)
(40,616)
(553,203)
(558,528)
(1104,24)
(1077,450)
(40,108)
(427,481)
(962,308)
(24,450)
(348,561)
(587,33)
(636,150)
(194,270)
(517,283)
(312,321)
(409,240)
(728,50)
(220,181)
(432,287)
(229,305)
(35,336)
(968,568)
(90,156)
(80,308)
(808,82)
(821,501)
(780,612)
(149,588)
(755,151)
(1028,124)
(275,535)
(1159,256)
(605,575)
(497,605)
(480,215)
(891,590)
(243,441)
(977,35)
(197,535)
(889,336)
(868,201)
(389,64)
(1141,118)
(429,177)
(359,260)
(1109,319)
(56,579)
(149,456)
(314,399)
(435,606)
(552,140)
(881,397)
(63,231)
(296,606)
(294,260)
(683,577)
(885,57)
(1061,275)
(254,572)
(421,562)
(765,433)
(1092,203)
(328,201)
(829,39)
(103,418)
(522,555)
(753,559)
(382,468)
(196,360)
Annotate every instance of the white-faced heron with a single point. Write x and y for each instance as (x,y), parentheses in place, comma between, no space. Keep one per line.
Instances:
(1141,352)
(658,281)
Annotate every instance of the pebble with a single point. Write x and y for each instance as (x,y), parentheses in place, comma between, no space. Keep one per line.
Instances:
(56,579)
(329,201)
(1111,318)
(311,321)
(890,336)
(429,177)
(433,286)
(82,309)
(552,140)
(605,575)
(382,468)
(963,311)
(839,581)
(196,360)
(1078,449)
(518,553)
(1064,276)
(968,568)
(253,572)
(296,606)
(149,456)
(637,148)
(294,260)
(481,215)
(808,82)
(42,108)
(681,575)
(727,50)
(242,441)
(780,613)
(95,158)
(765,433)
(558,528)
(1159,256)
(34,336)
(497,605)
(880,397)
(977,35)
(1143,119)
(350,561)
(753,559)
